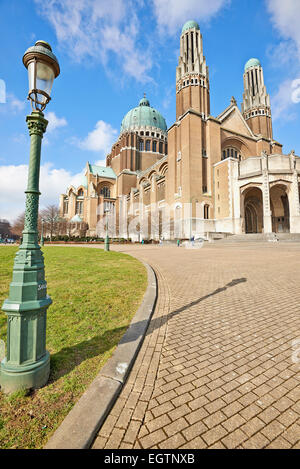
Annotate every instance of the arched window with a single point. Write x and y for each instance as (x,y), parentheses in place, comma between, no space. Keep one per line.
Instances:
(206,212)
(141,145)
(80,193)
(79,207)
(160,147)
(105,191)
(154,146)
(231,152)
(66,205)
(147,145)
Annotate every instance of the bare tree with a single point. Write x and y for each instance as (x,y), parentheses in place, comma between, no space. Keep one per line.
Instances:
(51,218)
(18,225)
(5,228)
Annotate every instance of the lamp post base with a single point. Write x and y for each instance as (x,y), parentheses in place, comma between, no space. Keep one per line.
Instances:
(34,376)
(106,244)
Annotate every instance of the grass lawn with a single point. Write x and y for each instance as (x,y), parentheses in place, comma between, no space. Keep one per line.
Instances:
(95,295)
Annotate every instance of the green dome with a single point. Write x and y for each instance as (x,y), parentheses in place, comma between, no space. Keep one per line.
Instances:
(252,63)
(144,102)
(190,25)
(76,219)
(143,116)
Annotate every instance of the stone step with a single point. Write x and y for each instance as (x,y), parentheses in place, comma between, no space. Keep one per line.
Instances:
(260,237)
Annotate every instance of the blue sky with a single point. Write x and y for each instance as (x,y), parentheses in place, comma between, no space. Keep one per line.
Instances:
(110,53)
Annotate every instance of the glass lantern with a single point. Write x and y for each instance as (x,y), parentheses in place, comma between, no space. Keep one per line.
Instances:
(42,67)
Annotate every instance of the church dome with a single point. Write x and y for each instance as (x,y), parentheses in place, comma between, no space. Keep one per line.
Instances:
(190,25)
(143,116)
(252,63)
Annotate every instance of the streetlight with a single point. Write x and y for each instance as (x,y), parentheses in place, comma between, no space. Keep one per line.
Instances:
(27,363)
(106,244)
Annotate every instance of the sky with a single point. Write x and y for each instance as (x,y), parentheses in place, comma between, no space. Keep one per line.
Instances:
(111,52)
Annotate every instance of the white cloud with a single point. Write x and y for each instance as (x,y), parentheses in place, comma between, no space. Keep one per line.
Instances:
(12,104)
(282,102)
(99,139)
(172,14)
(285,16)
(296,91)
(100,163)
(91,29)
(2,92)
(53,182)
(16,104)
(54,121)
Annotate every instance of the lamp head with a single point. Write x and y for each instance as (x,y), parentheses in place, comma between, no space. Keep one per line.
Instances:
(43,67)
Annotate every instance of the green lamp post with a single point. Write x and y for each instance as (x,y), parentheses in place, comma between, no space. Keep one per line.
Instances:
(27,362)
(106,243)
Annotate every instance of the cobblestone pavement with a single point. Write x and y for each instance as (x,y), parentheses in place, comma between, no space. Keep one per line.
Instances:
(216,369)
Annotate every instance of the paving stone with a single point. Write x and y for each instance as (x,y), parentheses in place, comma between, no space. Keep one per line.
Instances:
(194,430)
(234,422)
(234,439)
(252,426)
(175,426)
(272,430)
(292,434)
(215,434)
(216,359)
(174,442)
(258,441)
(152,439)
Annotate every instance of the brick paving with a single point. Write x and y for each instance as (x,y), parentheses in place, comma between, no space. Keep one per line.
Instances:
(215,369)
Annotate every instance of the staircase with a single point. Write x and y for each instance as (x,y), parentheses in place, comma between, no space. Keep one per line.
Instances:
(260,237)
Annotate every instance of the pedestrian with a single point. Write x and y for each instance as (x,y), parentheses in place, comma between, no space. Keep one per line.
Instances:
(178,243)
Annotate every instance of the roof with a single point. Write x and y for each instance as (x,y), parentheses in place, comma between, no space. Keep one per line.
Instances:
(191,24)
(143,116)
(104,171)
(252,63)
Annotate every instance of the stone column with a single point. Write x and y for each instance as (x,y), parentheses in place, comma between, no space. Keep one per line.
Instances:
(266,195)
(236,200)
(154,209)
(142,212)
(294,198)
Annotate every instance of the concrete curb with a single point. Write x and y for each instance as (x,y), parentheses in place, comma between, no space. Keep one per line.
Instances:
(81,425)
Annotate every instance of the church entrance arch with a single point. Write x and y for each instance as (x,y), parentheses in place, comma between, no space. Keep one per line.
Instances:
(253,210)
(280,209)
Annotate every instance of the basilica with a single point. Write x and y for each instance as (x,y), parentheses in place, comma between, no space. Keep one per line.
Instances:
(206,174)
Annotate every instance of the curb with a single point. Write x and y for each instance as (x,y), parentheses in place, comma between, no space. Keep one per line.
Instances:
(79,428)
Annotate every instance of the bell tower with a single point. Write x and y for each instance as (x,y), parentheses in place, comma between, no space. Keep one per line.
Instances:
(256,107)
(192,79)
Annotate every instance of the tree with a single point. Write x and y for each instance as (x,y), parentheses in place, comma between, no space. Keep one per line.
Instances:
(5,228)
(18,225)
(51,218)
